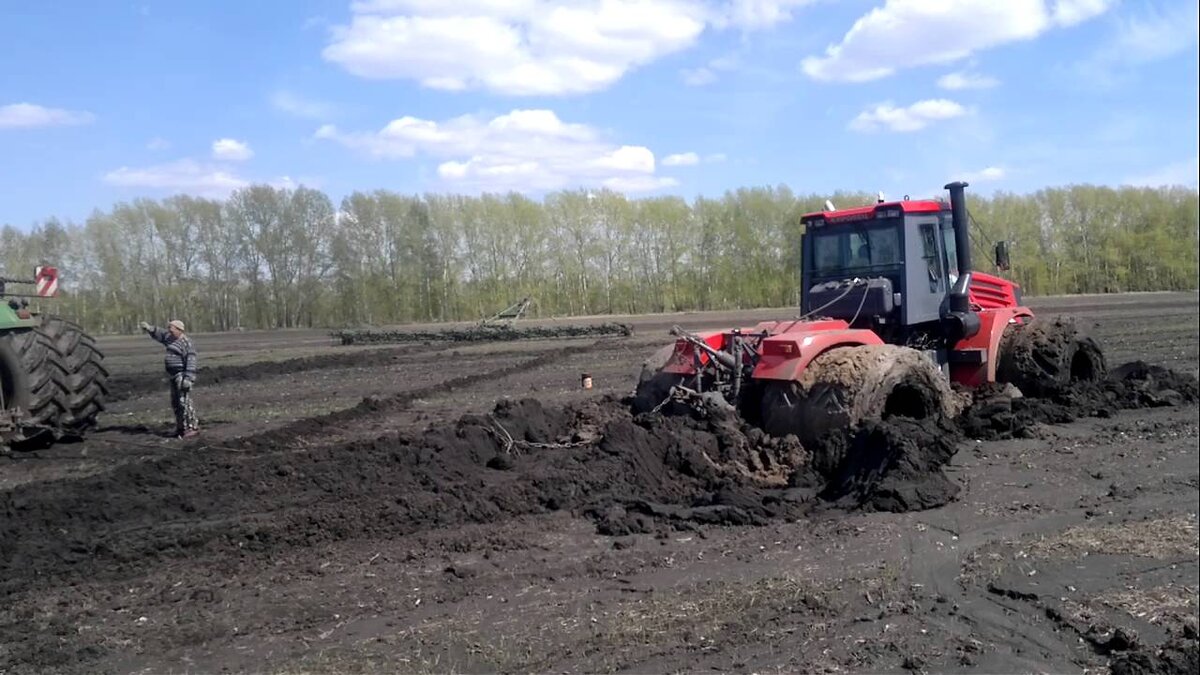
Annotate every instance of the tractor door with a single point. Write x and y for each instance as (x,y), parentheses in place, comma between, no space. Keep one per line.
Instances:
(926,280)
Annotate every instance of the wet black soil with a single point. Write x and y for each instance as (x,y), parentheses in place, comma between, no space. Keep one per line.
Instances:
(649,472)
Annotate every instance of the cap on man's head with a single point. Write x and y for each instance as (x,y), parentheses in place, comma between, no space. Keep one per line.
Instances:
(176,323)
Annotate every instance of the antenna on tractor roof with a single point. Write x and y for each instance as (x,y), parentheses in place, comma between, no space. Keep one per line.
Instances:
(829,206)
(879,198)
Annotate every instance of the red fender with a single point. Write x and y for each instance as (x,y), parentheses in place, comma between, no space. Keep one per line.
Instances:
(986,344)
(785,356)
(804,339)
(682,362)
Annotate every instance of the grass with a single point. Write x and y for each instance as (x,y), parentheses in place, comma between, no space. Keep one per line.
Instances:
(1163,538)
(600,633)
(1153,604)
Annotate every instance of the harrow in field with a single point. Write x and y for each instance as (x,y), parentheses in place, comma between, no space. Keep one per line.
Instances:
(497,328)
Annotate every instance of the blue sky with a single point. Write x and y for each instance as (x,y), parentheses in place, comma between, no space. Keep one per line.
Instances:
(107,101)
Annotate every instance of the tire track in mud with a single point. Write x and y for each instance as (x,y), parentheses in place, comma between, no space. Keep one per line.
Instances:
(131,386)
(993,611)
(331,423)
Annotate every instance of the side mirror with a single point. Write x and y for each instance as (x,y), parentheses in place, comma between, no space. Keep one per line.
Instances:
(1002,255)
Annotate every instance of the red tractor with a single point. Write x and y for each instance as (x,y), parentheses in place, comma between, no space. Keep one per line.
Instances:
(892,313)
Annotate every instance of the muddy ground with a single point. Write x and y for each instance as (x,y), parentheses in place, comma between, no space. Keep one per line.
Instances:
(340,514)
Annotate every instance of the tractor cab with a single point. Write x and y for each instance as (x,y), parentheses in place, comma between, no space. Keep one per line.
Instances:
(895,267)
(891,262)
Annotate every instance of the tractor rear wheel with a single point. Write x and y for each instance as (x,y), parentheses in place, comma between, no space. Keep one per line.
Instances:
(55,373)
(1044,354)
(847,386)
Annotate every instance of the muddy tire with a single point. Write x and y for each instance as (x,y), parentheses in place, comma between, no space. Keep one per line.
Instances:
(654,386)
(61,383)
(847,386)
(1045,354)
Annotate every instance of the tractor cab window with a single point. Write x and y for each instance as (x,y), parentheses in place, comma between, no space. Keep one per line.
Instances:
(929,251)
(951,249)
(860,249)
(828,252)
(857,247)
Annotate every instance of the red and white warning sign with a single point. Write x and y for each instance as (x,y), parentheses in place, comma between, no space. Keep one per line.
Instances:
(46,281)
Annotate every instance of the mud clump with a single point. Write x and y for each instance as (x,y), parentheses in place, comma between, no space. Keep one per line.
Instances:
(1179,656)
(997,414)
(891,465)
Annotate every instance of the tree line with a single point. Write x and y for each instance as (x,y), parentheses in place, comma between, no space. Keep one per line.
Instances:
(270,257)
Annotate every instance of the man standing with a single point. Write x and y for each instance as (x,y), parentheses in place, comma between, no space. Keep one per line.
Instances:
(180,361)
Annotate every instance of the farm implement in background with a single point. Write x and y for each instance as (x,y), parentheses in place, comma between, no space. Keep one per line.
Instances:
(496,328)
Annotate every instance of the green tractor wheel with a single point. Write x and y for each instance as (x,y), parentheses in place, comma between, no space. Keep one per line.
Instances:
(53,382)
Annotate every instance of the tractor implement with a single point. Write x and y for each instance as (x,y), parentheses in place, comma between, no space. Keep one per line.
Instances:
(893,317)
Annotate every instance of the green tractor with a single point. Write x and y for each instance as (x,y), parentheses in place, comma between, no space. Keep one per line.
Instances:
(52,376)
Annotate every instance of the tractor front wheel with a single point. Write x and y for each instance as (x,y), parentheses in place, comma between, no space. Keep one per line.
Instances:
(847,386)
(55,374)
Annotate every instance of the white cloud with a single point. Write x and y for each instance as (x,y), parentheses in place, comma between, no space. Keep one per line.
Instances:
(316,21)
(521,47)
(681,159)
(533,47)
(915,117)
(708,73)
(698,77)
(229,149)
(520,150)
(290,183)
(1157,35)
(907,33)
(1186,173)
(185,176)
(29,115)
(752,14)
(299,106)
(1071,12)
(157,144)
(1140,39)
(987,175)
(963,80)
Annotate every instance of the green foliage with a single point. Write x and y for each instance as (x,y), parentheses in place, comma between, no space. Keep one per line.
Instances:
(277,258)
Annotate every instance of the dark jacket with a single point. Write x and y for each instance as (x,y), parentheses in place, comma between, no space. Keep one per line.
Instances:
(181,355)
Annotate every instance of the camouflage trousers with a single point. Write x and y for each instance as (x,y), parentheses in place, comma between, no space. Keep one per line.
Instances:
(185,414)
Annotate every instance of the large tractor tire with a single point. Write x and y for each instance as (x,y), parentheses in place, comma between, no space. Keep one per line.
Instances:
(55,373)
(1045,354)
(847,386)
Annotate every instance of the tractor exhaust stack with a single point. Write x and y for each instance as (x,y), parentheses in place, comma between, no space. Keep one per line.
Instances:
(960,294)
(959,298)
